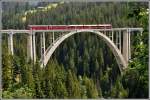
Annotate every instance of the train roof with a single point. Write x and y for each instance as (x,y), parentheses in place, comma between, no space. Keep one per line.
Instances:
(73,25)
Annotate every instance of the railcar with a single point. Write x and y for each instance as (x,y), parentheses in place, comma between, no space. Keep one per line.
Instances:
(69,27)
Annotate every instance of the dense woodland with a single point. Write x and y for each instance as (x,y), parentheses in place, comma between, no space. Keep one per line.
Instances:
(82,66)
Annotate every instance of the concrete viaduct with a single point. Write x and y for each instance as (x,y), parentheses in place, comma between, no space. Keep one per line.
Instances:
(117,39)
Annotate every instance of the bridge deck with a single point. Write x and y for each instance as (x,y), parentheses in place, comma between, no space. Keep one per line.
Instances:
(14,31)
(59,28)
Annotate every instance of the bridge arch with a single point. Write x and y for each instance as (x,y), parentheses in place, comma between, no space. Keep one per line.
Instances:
(119,57)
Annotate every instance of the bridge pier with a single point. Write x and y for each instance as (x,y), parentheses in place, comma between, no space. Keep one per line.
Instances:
(10,43)
(29,47)
(126,45)
(34,47)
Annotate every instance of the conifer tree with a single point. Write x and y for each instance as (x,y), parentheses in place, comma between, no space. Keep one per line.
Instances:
(37,73)
(90,88)
(7,70)
(73,86)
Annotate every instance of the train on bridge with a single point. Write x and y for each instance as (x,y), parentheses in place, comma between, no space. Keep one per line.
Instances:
(69,27)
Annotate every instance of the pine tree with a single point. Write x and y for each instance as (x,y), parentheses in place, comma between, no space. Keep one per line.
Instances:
(72,85)
(30,81)
(105,84)
(86,62)
(82,88)
(118,91)
(7,70)
(96,67)
(60,90)
(37,73)
(90,88)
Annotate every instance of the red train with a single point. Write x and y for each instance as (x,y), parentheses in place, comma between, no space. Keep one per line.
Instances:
(69,27)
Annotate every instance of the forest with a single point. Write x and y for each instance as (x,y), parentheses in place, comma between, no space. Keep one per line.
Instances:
(83,66)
